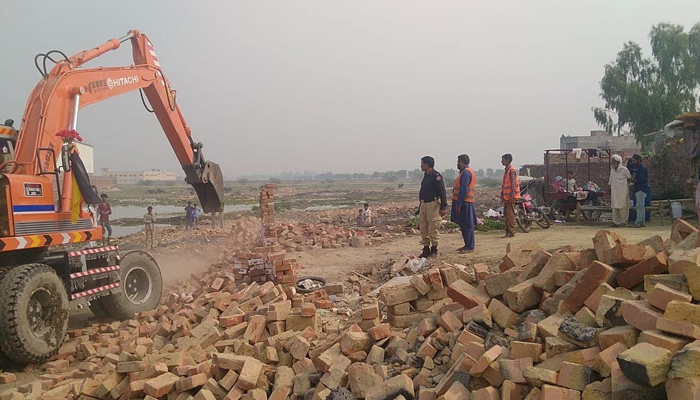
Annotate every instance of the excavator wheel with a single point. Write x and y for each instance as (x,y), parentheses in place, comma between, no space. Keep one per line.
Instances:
(98,308)
(33,313)
(141,286)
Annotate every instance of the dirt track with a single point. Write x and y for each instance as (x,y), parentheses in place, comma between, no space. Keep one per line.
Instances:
(334,264)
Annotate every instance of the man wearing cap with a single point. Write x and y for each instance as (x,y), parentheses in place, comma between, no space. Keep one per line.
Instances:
(433,206)
(619,189)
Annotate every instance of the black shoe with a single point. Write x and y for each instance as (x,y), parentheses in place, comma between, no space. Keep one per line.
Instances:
(433,251)
(425,253)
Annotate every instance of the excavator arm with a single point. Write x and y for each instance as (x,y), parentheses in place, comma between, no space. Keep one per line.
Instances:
(55,103)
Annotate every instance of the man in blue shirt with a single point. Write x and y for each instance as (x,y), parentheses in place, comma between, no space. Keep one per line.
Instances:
(641,185)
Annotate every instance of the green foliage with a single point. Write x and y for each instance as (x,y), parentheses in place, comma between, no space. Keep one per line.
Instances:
(647,92)
(451,225)
(412,222)
(275,180)
(491,225)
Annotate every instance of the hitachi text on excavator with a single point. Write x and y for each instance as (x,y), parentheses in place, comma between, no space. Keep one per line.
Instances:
(46,257)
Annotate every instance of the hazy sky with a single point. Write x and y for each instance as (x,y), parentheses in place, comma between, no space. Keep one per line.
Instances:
(341,86)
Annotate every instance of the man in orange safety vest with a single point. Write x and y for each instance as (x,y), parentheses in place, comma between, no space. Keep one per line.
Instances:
(463,211)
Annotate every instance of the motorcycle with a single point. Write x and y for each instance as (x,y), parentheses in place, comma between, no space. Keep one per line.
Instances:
(526,213)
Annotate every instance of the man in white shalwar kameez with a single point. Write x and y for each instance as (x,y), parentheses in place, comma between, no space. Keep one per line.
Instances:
(619,192)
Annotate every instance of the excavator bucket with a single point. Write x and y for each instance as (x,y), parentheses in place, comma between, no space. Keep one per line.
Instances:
(210,189)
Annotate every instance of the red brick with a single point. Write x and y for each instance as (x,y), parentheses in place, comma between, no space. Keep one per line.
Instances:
(605,358)
(661,295)
(545,279)
(486,359)
(449,322)
(435,279)
(559,393)
(398,293)
(596,274)
(488,393)
(679,328)
(681,229)
(512,370)
(380,331)
(191,382)
(660,339)
(534,267)
(391,388)
(625,254)
(525,349)
(250,373)
(574,376)
(162,385)
(467,295)
(456,392)
(640,315)
(634,275)
(593,301)
(308,310)
(523,296)
(683,388)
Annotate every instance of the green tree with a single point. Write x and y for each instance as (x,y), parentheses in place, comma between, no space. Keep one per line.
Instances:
(645,93)
(450,174)
(480,173)
(417,174)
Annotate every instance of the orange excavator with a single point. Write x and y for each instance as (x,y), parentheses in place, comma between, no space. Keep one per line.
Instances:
(47,252)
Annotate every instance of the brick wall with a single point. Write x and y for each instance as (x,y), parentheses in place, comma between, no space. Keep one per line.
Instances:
(599,170)
(670,175)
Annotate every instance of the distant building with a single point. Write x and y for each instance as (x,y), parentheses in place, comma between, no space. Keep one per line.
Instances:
(600,139)
(134,177)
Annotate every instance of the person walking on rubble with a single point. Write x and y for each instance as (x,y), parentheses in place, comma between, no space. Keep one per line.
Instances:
(510,193)
(433,206)
(619,190)
(149,222)
(463,212)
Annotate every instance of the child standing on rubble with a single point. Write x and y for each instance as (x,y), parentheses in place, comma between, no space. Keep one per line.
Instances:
(360,218)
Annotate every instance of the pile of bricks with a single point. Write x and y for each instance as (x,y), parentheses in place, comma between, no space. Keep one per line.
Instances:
(411,298)
(266,264)
(617,321)
(301,236)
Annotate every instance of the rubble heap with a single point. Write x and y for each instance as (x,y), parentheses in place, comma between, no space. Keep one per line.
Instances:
(300,236)
(267,262)
(616,321)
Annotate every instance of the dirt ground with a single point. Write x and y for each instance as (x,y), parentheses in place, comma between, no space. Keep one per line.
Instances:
(334,264)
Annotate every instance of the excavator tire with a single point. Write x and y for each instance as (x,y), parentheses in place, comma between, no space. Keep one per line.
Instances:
(33,313)
(98,308)
(141,284)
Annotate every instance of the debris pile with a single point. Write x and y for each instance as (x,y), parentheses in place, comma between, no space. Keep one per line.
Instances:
(616,321)
(300,236)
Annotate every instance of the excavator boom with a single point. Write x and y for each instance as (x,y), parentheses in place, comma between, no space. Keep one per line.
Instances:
(56,100)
